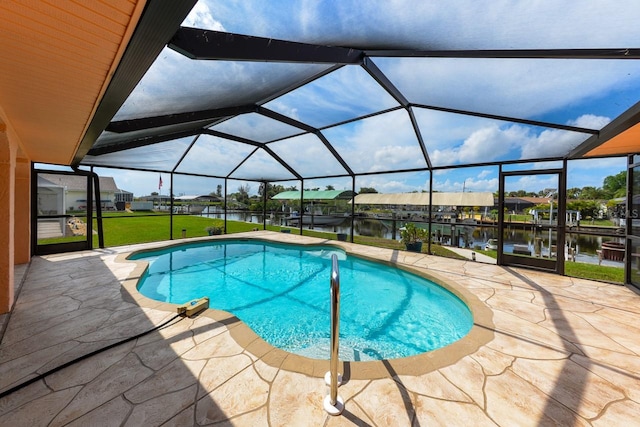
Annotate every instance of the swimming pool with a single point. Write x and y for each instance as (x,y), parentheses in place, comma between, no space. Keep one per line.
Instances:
(281,291)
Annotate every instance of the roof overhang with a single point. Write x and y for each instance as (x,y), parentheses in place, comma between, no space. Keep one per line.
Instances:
(156,27)
(54,76)
(620,137)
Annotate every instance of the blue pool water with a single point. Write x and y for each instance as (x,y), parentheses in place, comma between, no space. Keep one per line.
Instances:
(283,293)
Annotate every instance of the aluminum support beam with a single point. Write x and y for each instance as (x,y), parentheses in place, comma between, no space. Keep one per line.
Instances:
(201,44)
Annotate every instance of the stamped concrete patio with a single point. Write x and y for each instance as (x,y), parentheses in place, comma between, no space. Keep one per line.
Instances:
(545,350)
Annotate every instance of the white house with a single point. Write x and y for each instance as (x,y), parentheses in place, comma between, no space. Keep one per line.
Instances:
(59,194)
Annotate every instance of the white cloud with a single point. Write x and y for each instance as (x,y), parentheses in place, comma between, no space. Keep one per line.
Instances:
(495,141)
(495,24)
(308,155)
(488,25)
(381,143)
(490,143)
(344,94)
(532,183)
(590,121)
(337,183)
(551,143)
(615,163)
(468,185)
(485,173)
(383,184)
(523,88)
(176,84)
(284,109)
(201,17)
(394,156)
(395,182)
(136,182)
(394,187)
(259,166)
(213,155)
(557,143)
(256,127)
(442,130)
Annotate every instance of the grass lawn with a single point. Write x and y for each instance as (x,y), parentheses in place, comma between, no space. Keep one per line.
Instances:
(120,230)
(130,229)
(594,272)
(584,270)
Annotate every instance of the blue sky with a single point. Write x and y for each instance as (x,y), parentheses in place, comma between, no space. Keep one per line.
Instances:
(585,93)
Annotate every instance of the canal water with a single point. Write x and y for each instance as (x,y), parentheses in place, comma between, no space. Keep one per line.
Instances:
(471,236)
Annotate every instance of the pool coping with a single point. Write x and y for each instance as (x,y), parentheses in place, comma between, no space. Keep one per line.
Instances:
(480,334)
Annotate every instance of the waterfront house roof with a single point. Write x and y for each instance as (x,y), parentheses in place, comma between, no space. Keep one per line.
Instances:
(422,199)
(315,195)
(78,183)
(197,198)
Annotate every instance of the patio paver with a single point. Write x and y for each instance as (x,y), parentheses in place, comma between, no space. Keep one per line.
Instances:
(564,351)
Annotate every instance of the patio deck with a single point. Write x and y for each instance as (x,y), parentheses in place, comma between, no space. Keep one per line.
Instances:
(563,351)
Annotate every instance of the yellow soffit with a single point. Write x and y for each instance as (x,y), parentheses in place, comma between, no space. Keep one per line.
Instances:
(627,142)
(57,61)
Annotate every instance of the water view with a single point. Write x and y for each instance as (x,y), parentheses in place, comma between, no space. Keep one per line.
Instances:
(584,247)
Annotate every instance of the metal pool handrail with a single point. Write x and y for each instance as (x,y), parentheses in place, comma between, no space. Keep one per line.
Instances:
(333,403)
(335,326)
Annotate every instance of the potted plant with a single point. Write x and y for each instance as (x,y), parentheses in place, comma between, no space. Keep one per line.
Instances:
(412,237)
(214,230)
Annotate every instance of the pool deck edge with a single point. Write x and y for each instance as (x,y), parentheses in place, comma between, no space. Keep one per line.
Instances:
(480,334)
(562,351)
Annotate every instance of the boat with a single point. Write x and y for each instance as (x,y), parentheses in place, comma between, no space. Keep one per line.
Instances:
(315,220)
(492,244)
(613,251)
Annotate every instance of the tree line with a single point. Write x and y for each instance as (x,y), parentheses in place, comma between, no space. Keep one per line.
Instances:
(613,187)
